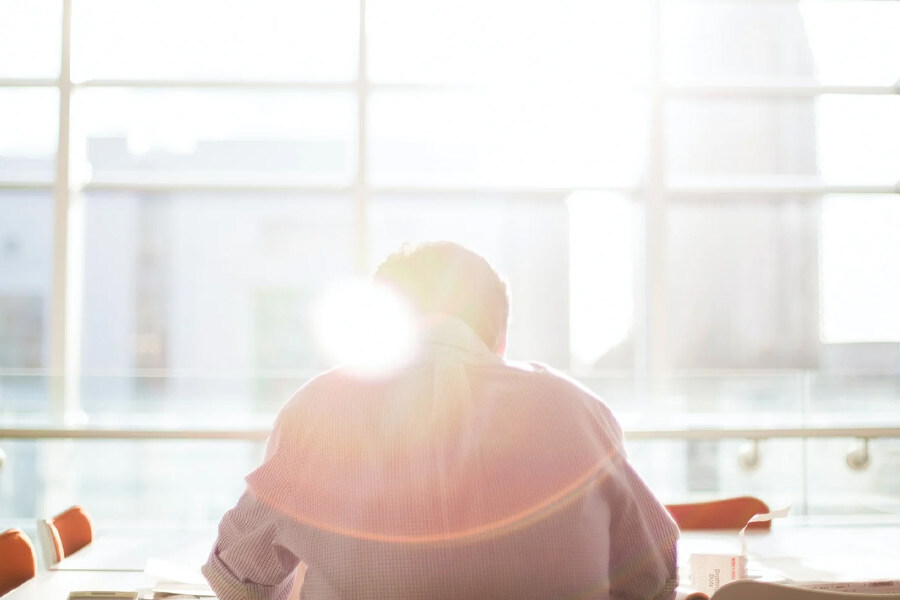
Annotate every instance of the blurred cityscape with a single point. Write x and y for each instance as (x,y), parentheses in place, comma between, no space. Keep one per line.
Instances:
(195,304)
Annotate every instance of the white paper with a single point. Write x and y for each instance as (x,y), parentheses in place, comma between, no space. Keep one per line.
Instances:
(166,570)
(177,579)
(775,514)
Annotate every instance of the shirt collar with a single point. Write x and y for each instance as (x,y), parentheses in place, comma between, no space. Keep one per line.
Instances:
(452,340)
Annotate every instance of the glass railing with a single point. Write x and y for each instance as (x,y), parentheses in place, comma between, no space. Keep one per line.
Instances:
(173,447)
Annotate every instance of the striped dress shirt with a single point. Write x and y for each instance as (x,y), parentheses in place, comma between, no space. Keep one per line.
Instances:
(462,475)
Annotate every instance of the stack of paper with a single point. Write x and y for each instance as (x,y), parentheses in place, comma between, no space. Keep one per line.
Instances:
(173,580)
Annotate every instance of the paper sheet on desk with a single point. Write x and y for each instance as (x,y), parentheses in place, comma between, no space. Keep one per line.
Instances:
(176,579)
(858,587)
(709,571)
(775,514)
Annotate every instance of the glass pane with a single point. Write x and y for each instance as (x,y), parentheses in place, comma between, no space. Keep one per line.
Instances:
(523,239)
(830,42)
(547,138)
(859,137)
(853,40)
(25,390)
(175,484)
(845,139)
(835,488)
(30,33)
(860,282)
(210,39)
(743,288)
(498,42)
(217,284)
(856,396)
(26,262)
(218,136)
(694,471)
(844,475)
(684,402)
(28,134)
(602,237)
(173,397)
(723,400)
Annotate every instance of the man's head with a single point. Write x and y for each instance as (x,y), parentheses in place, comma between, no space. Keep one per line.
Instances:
(443,278)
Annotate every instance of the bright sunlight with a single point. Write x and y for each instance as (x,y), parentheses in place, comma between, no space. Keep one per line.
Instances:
(364,326)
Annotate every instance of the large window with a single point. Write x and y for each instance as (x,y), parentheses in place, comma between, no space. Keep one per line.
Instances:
(694,202)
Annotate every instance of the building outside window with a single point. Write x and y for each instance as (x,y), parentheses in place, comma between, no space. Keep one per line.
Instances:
(694,202)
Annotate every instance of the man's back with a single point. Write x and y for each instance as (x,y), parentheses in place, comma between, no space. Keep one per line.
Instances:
(462,475)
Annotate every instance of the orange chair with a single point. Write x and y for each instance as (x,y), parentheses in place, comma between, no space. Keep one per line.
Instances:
(19,563)
(727,513)
(67,532)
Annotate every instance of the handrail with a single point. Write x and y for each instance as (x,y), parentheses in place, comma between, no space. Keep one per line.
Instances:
(144,433)
(262,433)
(725,433)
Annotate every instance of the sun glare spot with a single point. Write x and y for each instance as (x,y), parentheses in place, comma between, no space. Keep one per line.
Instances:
(364,326)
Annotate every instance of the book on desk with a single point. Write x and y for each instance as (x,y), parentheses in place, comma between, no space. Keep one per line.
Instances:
(871,587)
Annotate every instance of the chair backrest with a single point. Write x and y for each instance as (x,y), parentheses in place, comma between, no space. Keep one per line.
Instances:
(727,513)
(748,589)
(65,533)
(19,563)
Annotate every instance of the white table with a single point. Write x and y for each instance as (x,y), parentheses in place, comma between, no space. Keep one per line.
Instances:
(791,551)
(797,552)
(116,561)
(56,585)
(129,552)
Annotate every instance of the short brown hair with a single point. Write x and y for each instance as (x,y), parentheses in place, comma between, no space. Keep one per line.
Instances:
(447,278)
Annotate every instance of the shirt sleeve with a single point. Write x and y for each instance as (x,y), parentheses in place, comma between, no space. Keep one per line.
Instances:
(643,562)
(248,562)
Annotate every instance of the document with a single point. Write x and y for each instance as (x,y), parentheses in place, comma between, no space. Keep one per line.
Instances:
(102,595)
(880,586)
(174,580)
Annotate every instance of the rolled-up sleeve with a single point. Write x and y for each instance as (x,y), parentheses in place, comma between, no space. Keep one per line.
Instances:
(248,561)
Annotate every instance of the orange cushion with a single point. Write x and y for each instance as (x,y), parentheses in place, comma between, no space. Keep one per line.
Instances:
(19,563)
(73,526)
(728,513)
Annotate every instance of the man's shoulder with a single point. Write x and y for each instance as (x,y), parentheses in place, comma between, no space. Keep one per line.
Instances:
(344,382)
(314,390)
(543,374)
(561,386)
(316,385)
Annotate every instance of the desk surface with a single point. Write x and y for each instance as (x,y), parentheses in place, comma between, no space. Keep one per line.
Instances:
(807,553)
(56,585)
(129,552)
(792,551)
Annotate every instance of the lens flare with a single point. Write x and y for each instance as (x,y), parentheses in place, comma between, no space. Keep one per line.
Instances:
(364,326)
